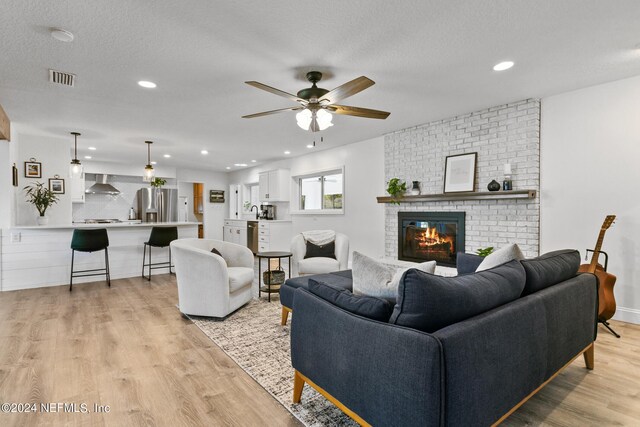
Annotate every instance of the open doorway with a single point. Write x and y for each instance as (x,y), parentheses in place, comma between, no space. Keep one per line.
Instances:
(191,197)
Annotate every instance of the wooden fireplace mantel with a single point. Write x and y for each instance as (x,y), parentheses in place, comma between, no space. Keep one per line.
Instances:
(484,195)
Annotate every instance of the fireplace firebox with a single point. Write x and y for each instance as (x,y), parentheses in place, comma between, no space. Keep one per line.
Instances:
(431,236)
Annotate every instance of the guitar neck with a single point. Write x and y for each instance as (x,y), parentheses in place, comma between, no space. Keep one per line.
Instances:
(596,252)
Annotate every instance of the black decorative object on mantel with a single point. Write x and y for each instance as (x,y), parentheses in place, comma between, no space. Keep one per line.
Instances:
(493,186)
(415,188)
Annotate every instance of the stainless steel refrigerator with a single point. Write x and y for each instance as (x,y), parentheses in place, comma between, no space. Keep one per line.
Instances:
(157,204)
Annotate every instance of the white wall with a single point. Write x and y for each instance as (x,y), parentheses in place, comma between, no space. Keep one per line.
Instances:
(590,156)
(363,218)
(214,213)
(53,153)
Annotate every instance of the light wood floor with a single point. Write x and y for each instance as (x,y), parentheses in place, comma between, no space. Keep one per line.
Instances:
(128,347)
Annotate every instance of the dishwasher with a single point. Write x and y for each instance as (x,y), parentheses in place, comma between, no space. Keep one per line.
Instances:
(252,236)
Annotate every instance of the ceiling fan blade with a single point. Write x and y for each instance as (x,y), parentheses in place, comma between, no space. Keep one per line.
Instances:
(267,113)
(277,92)
(346,90)
(358,112)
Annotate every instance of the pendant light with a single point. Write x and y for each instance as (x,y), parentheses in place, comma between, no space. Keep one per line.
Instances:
(149,173)
(75,168)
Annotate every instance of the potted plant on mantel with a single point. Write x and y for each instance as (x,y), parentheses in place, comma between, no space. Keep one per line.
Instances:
(42,198)
(396,189)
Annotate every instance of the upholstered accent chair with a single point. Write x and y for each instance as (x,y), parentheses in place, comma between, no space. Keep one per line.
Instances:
(209,284)
(301,266)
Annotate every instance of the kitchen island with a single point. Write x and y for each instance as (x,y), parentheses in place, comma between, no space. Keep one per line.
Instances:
(40,256)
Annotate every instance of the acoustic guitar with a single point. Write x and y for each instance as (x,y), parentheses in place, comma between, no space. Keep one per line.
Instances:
(606,299)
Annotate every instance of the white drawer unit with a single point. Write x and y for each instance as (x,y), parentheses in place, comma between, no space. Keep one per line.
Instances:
(274,236)
(235,231)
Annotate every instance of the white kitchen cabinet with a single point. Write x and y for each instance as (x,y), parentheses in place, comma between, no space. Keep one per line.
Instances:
(235,232)
(274,185)
(274,236)
(76,186)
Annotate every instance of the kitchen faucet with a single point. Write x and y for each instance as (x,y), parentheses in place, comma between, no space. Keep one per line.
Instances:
(257,211)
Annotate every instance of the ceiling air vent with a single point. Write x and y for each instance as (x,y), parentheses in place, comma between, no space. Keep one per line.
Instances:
(59,77)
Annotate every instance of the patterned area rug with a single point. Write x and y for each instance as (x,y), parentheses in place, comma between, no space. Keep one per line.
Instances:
(254,339)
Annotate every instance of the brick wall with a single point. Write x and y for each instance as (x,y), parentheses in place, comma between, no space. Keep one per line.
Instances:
(503,134)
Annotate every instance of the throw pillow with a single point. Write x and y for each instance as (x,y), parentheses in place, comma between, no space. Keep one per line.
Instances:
(217,252)
(427,302)
(369,307)
(320,251)
(550,269)
(376,279)
(501,256)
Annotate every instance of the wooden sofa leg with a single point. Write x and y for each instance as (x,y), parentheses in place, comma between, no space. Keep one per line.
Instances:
(298,384)
(589,356)
(285,315)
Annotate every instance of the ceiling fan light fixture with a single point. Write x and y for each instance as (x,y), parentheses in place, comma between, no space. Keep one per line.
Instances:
(323,117)
(304,118)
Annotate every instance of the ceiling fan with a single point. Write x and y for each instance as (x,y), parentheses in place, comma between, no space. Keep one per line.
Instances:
(317,104)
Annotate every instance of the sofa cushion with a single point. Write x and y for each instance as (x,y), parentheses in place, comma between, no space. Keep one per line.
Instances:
(337,279)
(550,269)
(239,277)
(467,263)
(501,256)
(320,251)
(376,279)
(369,307)
(317,265)
(427,302)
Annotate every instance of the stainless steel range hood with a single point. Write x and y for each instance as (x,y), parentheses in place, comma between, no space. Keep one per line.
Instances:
(102,187)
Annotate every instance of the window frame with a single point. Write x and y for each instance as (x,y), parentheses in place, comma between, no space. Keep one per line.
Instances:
(317,174)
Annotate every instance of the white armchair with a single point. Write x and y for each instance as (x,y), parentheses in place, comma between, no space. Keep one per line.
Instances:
(318,265)
(210,285)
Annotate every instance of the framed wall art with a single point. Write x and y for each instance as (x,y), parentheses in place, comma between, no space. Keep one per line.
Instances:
(216,196)
(460,173)
(32,169)
(56,185)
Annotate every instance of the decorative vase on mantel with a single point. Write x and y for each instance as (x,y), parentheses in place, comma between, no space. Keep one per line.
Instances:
(493,186)
(415,188)
(43,220)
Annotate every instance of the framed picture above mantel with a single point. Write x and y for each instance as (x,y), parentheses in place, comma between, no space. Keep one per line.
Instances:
(460,173)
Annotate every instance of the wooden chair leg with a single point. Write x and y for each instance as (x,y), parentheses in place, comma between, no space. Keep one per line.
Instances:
(298,384)
(589,359)
(285,316)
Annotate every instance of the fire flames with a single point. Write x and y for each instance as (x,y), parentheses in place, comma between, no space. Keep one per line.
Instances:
(429,240)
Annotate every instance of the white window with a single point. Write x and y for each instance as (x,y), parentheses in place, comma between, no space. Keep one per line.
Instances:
(321,192)
(251,197)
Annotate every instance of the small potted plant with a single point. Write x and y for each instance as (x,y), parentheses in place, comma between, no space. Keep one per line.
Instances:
(158,182)
(396,189)
(42,198)
(483,252)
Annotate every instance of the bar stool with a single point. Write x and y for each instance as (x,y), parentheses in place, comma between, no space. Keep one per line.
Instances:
(90,240)
(160,237)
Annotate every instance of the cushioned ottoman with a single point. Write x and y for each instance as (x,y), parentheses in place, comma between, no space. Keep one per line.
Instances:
(340,279)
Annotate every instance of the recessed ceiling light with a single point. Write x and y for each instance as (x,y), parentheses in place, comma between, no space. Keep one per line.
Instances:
(287,152)
(309,145)
(240,164)
(503,66)
(167,156)
(204,152)
(253,161)
(154,163)
(147,84)
(87,157)
(62,35)
(228,167)
(92,148)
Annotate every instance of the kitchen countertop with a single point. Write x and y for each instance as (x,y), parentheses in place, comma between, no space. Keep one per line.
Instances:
(260,220)
(109,225)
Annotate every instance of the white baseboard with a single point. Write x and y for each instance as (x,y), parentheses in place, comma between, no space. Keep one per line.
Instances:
(629,315)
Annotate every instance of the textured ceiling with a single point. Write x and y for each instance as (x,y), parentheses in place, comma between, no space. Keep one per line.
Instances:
(429,59)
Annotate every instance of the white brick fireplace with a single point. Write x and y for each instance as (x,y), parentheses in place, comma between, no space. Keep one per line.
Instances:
(503,134)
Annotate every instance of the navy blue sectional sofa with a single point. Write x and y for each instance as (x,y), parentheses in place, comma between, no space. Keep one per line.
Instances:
(456,351)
